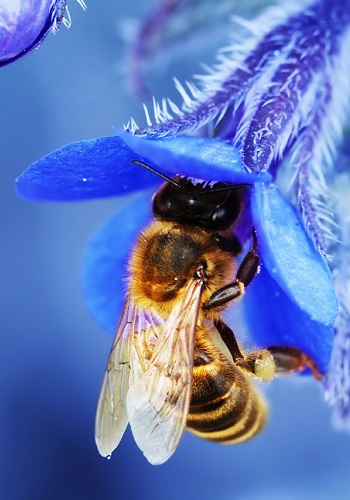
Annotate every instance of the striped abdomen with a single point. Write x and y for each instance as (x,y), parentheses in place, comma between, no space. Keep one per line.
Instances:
(225,405)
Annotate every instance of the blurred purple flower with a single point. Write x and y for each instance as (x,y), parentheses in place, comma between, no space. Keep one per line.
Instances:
(270,114)
(25,23)
(173,28)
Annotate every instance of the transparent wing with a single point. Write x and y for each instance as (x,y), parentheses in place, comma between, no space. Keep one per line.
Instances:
(125,364)
(158,402)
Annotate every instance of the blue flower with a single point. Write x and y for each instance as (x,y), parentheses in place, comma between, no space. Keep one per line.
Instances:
(25,24)
(269,115)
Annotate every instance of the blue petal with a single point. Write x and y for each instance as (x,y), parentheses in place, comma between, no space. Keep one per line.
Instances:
(292,301)
(290,256)
(105,264)
(274,319)
(198,157)
(94,168)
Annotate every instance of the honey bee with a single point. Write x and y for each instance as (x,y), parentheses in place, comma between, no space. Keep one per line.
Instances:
(174,362)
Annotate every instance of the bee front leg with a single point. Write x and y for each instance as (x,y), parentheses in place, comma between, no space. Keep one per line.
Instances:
(250,264)
(246,272)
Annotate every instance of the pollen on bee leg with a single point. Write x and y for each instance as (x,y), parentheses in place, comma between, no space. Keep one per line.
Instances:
(265,367)
(241,289)
(259,364)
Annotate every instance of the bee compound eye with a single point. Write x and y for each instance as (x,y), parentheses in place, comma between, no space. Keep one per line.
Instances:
(161,204)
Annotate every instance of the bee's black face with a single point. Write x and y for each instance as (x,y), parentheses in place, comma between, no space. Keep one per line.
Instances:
(214,207)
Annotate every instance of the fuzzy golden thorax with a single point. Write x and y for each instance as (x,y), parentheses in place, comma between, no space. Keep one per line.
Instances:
(167,255)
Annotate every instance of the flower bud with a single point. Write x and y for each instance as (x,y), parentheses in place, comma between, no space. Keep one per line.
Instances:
(25,23)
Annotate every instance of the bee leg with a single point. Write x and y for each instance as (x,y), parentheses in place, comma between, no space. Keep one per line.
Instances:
(259,364)
(229,338)
(224,295)
(250,264)
(291,360)
(246,272)
(277,360)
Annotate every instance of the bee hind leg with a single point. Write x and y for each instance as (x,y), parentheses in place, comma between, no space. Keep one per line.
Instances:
(259,364)
(292,360)
(277,360)
(264,364)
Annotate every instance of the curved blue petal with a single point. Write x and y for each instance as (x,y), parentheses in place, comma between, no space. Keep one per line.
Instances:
(199,157)
(105,263)
(95,168)
(292,301)
(273,318)
(290,256)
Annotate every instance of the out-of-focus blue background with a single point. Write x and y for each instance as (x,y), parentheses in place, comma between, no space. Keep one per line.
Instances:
(52,353)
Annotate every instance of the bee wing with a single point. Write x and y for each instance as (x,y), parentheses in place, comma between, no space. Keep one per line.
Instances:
(158,402)
(124,367)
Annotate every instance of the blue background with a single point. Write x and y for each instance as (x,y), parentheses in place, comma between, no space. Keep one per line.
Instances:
(52,353)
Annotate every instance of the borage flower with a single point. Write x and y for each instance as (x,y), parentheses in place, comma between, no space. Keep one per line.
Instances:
(269,116)
(25,24)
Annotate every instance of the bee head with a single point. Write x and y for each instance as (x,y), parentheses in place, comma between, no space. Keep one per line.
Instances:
(214,206)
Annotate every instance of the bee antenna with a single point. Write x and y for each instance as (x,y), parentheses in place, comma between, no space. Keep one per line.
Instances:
(155,171)
(228,188)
